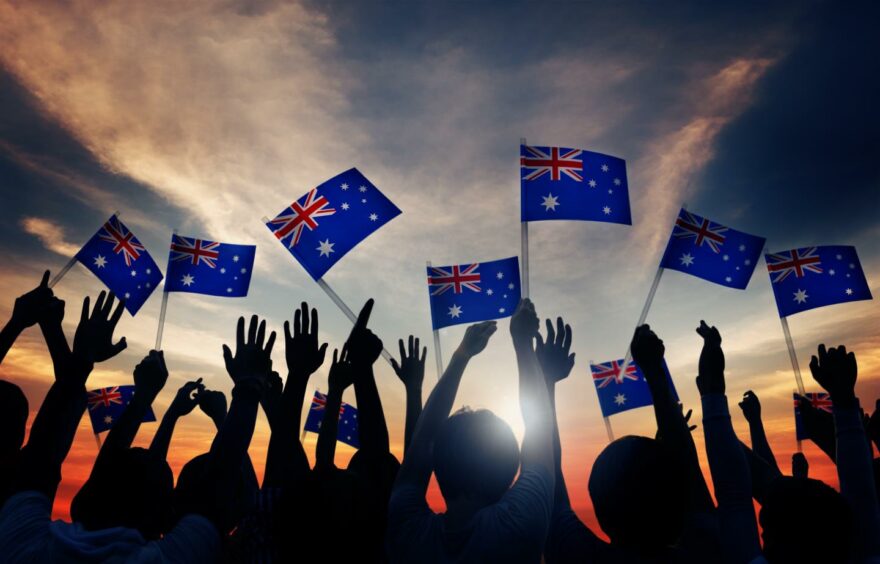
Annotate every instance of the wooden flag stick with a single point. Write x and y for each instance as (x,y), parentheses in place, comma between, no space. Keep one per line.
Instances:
(608,429)
(164,307)
(793,356)
(524,241)
(57,278)
(346,310)
(437,354)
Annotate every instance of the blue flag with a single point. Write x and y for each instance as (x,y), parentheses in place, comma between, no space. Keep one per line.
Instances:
(119,260)
(708,250)
(561,183)
(813,277)
(320,227)
(819,400)
(466,293)
(348,423)
(627,392)
(208,267)
(106,406)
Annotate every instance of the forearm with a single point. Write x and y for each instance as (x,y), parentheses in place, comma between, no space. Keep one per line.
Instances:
(416,467)
(123,432)
(286,459)
(731,477)
(413,410)
(325,452)
(760,444)
(56,342)
(162,438)
(537,446)
(762,473)
(561,499)
(373,431)
(231,443)
(856,474)
(8,335)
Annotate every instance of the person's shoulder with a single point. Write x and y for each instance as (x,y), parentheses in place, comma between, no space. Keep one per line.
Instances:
(26,502)
(193,538)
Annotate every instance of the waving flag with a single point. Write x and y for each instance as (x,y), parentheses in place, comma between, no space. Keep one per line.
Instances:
(348,423)
(209,267)
(330,220)
(106,406)
(122,263)
(708,250)
(627,391)
(466,293)
(819,400)
(814,277)
(561,183)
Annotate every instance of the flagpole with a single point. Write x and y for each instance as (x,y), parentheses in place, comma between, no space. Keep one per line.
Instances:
(438,355)
(302,437)
(346,310)
(98,440)
(57,278)
(793,356)
(164,307)
(524,241)
(608,429)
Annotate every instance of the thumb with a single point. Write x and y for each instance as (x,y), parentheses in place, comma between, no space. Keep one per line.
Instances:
(119,347)
(227,356)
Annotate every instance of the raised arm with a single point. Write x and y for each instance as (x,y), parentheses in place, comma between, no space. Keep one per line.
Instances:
(411,371)
(341,377)
(416,467)
(286,459)
(54,427)
(751,408)
(648,352)
(819,426)
(28,310)
(53,334)
(184,402)
(727,462)
(364,349)
(836,371)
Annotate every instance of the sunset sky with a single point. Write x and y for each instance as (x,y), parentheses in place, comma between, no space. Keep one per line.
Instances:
(206,116)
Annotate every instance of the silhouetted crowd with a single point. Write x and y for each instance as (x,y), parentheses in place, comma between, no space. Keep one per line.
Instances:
(505,502)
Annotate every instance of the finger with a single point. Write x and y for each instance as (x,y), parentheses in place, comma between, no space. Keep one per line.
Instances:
(814,365)
(287,336)
(85,311)
(270,343)
(539,345)
(239,334)
(261,333)
(252,329)
(687,416)
(118,347)
(108,305)
(822,353)
(44,283)
(416,347)
(395,366)
(411,343)
(560,331)
(322,351)
(297,322)
(227,356)
(425,354)
(99,303)
(566,342)
(335,356)
(551,333)
(305,317)
(364,315)
(117,314)
(402,350)
(314,319)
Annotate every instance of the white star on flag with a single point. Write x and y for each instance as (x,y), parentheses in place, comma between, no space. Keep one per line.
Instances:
(187,280)
(592,183)
(550,202)
(849,291)
(373,217)
(686,259)
(606,210)
(345,205)
(344,186)
(801,296)
(325,248)
(363,188)
(454,311)
(617,182)
(620,399)
(604,168)
(100,261)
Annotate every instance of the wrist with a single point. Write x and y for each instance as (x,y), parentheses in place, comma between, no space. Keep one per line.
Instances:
(14,325)
(844,398)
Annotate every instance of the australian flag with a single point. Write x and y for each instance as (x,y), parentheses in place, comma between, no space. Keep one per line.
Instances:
(330,220)
(348,420)
(562,183)
(466,293)
(122,263)
(622,392)
(708,250)
(813,277)
(819,400)
(107,404)
(208,267)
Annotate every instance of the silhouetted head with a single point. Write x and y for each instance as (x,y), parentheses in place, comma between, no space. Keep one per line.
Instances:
(131,488)
(194,491)
(13,418)
(476,456)
(805,520)
(638,494)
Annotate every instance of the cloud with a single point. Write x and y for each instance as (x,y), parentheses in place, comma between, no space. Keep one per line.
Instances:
(50,234)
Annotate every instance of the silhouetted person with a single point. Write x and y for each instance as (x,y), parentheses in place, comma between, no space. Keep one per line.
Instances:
(751,408)
(13,420)
(411,371)
(475,458)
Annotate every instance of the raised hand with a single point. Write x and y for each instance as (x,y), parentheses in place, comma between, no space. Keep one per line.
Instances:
(303,352)
(524,323)
(213,404)
(30,307)
(150,376)
(341,372)
(411,369)
(271,400)
(836,371)
(93,340)
(187,398)
(252,362)
(53,312)
(751,406)
(476,337)
(553,355)
(711,377)
(363,346)
(647,350)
